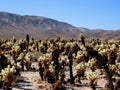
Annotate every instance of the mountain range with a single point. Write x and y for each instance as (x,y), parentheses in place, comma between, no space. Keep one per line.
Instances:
(42,28)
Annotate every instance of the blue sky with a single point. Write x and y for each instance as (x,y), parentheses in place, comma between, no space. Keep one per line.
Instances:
(92,14)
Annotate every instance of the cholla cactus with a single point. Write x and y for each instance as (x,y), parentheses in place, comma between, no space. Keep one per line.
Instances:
(118,65)
(118,57)
(63,59)
(112,55)
(10,59)
(20,57)
(61,46)
(12,62)
(45,57)
(74,48)
(67,47)
(113,69)
(80,57)
(41,58)
(9,44)
(53,47)
(28,60)
(104,52)
(28,57)
(92,79)
(15,49)
(82,39)
(80,67)
(8,74)
(92,64)
(51,69)
(42,49)
(32,48)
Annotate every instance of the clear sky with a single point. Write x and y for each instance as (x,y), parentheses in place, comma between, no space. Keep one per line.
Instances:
(90,14)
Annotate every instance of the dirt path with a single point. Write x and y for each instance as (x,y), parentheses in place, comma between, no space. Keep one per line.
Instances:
(29,78)
(27,82)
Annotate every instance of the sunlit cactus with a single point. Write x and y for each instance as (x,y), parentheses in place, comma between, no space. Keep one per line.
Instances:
(80,57)
(92,79)
(67,47)
(82,38)
(62,61)
(92,64)
(8,75)
(74,48)
(80,69)
(113,69)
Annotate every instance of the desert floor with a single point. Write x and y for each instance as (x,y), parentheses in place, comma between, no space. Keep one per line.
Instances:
(30,80)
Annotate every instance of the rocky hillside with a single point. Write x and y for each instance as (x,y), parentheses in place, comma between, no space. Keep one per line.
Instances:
(42,27)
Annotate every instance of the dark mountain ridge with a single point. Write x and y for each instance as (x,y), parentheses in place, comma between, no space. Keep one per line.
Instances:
(42,27)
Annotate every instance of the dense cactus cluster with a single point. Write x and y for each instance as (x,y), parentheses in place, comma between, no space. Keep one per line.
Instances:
(59,56)
(8,76)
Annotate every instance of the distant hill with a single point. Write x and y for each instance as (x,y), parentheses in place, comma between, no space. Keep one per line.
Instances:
(42,27)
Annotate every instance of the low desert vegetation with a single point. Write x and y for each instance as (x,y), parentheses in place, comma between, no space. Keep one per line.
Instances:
(81,59)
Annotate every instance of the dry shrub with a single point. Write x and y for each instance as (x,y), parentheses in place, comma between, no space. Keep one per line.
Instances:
(57,85)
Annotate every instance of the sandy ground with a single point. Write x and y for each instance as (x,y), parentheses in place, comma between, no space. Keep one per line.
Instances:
(29,81)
